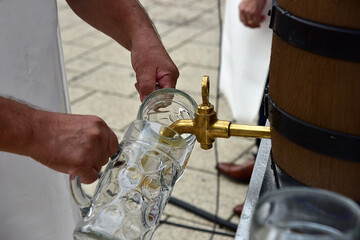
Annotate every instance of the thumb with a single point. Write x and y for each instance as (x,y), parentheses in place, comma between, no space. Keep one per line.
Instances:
(113,144)
(167,81)
(145,84)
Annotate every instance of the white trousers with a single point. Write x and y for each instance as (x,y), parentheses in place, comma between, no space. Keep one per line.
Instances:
(245,58)
(35,202)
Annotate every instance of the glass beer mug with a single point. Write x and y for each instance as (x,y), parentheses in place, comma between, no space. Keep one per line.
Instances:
(137,182)
(301,213)
(166,106)
(135,187)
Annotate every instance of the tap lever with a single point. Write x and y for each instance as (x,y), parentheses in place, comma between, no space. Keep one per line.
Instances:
(207,127)
(205,90)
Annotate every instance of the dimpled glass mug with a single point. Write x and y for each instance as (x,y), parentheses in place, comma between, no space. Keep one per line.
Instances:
(301,213)
(166,106)
(135,187)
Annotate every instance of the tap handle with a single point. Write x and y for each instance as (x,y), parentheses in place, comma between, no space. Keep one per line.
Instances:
(205,90)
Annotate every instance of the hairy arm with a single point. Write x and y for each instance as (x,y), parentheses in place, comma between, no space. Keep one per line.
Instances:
(127,23)
(15,126)
(122,20)
(73,144)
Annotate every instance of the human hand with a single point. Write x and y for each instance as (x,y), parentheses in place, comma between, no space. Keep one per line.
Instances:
(127,22)
(153,66)
(75,144)
(250,12)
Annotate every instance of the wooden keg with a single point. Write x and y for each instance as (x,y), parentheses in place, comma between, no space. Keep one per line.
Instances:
(321,89)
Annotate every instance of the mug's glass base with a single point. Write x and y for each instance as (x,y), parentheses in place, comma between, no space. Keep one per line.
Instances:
(79,234)
(310,230)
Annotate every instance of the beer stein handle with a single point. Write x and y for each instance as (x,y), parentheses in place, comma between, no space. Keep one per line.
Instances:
(77,192)
(81,199)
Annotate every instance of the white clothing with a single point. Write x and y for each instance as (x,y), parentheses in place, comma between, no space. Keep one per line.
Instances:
(35,201)
(245,58)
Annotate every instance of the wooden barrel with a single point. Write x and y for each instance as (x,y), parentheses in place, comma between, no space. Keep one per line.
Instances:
(320,90)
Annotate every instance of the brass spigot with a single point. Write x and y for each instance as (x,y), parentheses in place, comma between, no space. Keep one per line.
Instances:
(207,127)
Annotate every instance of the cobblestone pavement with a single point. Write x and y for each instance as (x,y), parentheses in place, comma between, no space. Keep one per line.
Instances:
(100,80)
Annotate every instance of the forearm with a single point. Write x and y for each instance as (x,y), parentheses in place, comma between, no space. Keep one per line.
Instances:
(122,20)
(16,126)
(127,22)
(73,144)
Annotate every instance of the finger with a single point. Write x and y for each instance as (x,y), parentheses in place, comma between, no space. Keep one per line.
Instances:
(248,20)
(243,17)
(167,81)
(98,168)
(241,13)
(258,18)
(137,87)
(89,176)
(253,24)
(146,82)
(113,144)
(253,21)
(102,161)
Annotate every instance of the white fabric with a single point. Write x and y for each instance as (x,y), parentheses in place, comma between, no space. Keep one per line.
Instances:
(245,61)
(35,202)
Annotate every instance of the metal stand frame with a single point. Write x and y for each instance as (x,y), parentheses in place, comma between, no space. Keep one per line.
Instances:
(262,180)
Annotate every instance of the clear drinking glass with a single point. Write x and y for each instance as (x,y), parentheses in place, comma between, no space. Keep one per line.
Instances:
(301,213)
(166,106)
(135,187)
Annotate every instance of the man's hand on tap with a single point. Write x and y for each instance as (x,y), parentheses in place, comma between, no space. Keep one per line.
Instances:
(153,66)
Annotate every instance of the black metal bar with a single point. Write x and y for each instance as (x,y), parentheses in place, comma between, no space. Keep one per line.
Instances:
(322,39)
(197,229)
(324,141)
(202,213)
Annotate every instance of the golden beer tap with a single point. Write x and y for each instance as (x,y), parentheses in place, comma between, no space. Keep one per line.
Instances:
(207,127)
